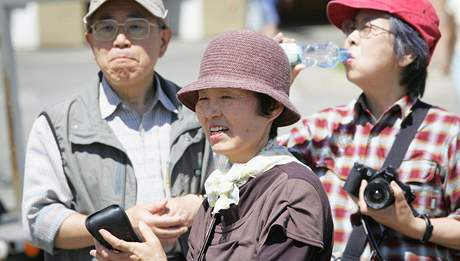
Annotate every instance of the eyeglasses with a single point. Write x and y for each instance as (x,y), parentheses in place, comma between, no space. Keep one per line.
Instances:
(365,29)
(134,28)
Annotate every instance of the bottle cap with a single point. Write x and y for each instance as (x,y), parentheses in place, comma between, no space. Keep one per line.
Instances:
(293,52)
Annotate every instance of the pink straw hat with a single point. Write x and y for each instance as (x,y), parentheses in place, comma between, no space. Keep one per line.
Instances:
(245,60)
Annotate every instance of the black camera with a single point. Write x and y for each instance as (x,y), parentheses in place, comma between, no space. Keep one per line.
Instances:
(378,193)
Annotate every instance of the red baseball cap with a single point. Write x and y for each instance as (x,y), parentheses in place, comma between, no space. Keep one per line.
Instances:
(420,14)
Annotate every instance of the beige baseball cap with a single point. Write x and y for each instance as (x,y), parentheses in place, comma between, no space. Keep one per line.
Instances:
(155,7)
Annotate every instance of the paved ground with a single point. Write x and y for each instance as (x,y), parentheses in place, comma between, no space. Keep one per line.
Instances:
(48,76)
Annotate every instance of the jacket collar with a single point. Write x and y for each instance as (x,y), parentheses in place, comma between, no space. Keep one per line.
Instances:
(87,126)
(109,100)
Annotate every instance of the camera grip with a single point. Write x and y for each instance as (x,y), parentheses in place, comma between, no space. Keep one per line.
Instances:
(353,182)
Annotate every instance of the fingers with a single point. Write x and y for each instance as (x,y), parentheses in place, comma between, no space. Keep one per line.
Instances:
(279,37)
(166,226)
(165,221)
(397,191)
(100,255)
(103,254)
(115,242)
(152,240)
(296,71)
(186,206)
(147,234)
(97,255)
(107,255)
(169,233)
(139,211)
(361,203)
(157,207)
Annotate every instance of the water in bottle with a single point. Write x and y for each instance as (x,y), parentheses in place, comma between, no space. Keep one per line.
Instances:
(324,55)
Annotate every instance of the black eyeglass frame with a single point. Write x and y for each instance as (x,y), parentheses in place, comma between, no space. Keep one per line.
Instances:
(365,30)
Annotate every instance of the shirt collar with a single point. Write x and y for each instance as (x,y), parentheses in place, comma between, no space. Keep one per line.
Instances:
(163,98)
(401,108)
(109,99)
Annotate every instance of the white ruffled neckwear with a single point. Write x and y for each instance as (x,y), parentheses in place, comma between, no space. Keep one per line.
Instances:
(222,185)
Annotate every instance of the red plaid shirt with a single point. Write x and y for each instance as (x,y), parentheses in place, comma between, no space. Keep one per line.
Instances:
(335,138)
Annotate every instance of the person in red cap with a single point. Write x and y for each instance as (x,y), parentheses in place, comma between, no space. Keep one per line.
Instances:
(265,205)
(390,44)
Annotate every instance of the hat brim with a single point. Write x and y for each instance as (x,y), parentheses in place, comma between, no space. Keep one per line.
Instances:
(92,11)
(341,11)
(188,95)
(153,11)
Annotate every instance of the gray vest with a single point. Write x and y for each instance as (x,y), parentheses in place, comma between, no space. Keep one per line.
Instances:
(97,168)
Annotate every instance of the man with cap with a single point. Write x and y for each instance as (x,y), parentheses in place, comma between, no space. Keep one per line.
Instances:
(390,44)
(124,140)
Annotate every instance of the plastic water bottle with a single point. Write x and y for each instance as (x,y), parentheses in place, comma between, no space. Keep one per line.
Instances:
(324,55)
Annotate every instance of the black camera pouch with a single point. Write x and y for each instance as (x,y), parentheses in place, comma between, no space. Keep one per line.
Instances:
(113,219)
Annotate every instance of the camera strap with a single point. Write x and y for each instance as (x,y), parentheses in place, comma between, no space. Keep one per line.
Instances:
(409,128)
(368,230)
(207,237)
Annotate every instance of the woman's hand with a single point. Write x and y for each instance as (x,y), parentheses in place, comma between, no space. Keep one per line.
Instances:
(299,67)
(149,250)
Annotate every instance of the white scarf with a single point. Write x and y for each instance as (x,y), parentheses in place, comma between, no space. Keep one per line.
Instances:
(222,186)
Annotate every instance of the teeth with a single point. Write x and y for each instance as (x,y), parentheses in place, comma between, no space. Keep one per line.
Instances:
(217,128)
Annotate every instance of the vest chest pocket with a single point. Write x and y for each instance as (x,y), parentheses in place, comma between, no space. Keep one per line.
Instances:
(425,179)
(102,177)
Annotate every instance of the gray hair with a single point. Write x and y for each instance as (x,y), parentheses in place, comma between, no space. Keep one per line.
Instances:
(408,41)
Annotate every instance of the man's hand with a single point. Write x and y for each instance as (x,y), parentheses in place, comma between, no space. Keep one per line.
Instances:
(186,206)
(166,226)
(299,67)
(397,216)
(400,218)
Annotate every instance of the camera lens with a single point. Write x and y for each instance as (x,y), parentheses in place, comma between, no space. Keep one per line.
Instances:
(378,194)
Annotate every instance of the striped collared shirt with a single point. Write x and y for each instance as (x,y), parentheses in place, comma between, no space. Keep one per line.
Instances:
(332,140)
(145,138)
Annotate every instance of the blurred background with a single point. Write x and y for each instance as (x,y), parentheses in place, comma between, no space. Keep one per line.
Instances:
(45,60)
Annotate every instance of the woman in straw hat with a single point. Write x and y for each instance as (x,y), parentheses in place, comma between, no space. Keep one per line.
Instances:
(265,205)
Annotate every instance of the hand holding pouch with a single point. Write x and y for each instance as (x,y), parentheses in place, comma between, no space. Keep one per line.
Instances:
(113,219)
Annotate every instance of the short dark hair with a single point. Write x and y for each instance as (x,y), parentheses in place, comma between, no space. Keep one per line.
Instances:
(266,105)
(408,41)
